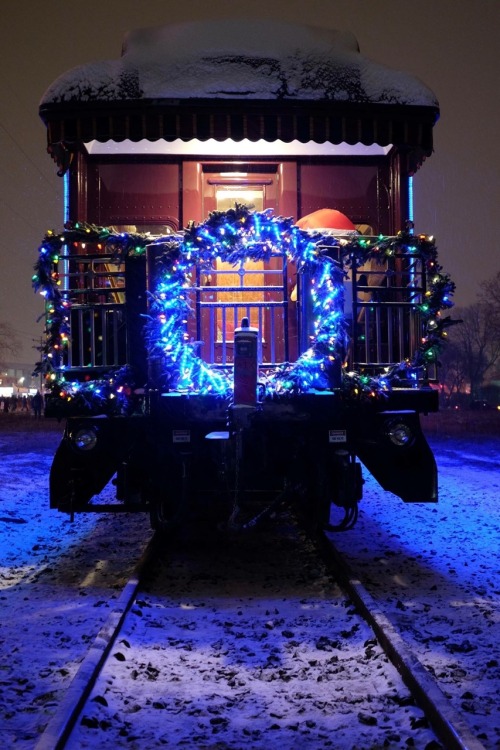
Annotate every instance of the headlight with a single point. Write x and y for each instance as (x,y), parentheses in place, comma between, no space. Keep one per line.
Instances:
(399,433)
(85,439)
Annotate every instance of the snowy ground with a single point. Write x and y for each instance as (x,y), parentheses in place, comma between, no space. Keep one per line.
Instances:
(437,571)
(55,582)
(436,567)
(249,645)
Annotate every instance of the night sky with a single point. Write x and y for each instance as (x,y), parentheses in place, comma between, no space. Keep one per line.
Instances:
(451,45)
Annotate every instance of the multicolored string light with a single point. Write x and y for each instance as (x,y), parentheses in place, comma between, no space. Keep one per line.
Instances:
(235,236)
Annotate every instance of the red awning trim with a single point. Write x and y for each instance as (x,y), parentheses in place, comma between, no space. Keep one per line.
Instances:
(72,124)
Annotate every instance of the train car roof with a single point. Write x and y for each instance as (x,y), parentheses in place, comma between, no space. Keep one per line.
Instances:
(239,79)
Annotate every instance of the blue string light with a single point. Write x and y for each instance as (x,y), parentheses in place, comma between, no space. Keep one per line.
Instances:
(236,236)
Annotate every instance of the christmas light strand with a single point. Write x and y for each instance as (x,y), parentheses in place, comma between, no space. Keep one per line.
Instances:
(235,236)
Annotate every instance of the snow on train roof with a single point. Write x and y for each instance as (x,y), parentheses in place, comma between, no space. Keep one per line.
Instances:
(239,59)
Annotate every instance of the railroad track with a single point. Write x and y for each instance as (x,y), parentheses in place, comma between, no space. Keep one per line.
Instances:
(303,637)
(62,723)
(449,726)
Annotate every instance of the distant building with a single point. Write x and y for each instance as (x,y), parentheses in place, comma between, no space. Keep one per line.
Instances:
(18,379)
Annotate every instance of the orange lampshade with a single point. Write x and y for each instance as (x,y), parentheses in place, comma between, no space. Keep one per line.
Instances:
(326,218)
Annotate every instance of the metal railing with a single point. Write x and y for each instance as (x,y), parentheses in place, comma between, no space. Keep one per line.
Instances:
(385,323)
(95,285)
(381,308)
(220,308)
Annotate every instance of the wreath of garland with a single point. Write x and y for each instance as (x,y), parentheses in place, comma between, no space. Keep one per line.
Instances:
(234,236)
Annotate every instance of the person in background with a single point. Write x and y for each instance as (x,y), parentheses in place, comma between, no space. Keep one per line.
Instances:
(37,404)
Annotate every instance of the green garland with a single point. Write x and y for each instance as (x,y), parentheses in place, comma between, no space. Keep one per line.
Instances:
(234,235)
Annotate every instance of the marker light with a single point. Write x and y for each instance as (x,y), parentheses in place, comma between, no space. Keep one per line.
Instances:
(399,434)
(85,439)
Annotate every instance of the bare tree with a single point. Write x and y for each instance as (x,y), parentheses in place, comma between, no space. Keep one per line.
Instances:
(476,344)
(452,374)
(489,295)
(8,341)
(490,291)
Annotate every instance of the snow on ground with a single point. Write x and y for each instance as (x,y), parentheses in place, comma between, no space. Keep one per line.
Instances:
(436,567)
(437,570)
(55,581)
(249,644)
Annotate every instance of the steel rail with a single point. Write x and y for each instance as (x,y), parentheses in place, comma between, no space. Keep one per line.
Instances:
(60,726)
(449,726)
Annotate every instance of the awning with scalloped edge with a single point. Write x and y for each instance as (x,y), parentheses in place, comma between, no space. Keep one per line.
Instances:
(240,80)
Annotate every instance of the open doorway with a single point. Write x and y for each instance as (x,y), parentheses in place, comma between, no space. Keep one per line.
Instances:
(255,289)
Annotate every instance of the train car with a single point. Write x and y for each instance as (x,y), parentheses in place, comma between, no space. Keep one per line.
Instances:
(239,312)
